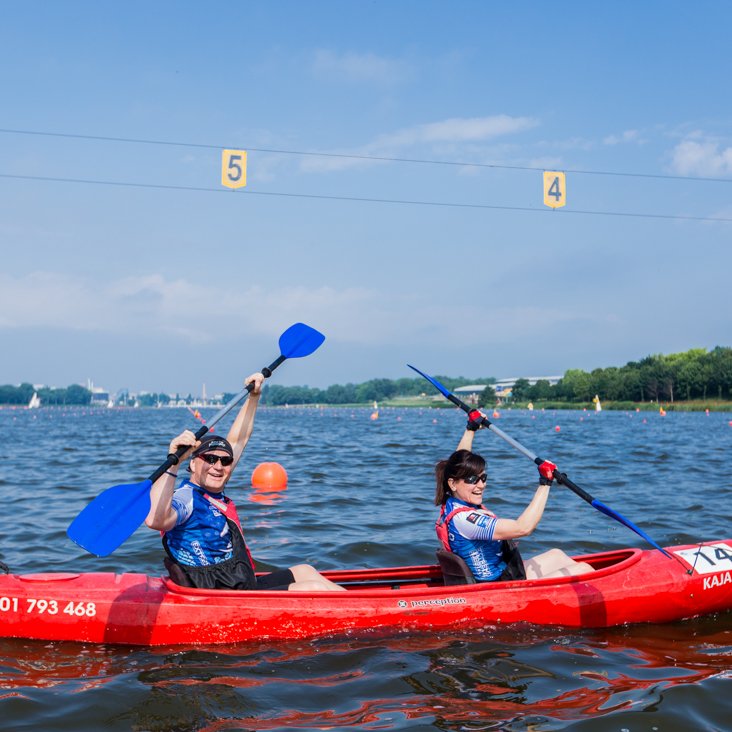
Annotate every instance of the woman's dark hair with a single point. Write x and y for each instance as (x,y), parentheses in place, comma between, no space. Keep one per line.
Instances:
(461,464)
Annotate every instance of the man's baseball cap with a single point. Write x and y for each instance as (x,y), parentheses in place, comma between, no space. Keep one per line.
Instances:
(210,442)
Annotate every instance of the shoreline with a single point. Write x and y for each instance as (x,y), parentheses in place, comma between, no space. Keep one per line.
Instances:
(693,406)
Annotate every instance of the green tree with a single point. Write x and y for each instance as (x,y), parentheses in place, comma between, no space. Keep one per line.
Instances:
(375,390)
(340,394)
(487,397)
(77,394)
(541,390)
(520,390)
(720,371)
(577,385)
(691,378)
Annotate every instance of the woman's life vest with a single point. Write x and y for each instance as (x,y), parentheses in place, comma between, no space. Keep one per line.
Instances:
(489,560)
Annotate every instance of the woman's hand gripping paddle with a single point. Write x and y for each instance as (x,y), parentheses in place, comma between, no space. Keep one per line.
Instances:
(559,477)
(116,513)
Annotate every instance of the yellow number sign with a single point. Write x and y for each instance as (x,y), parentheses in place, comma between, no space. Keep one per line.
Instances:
(234,168)
(555,189)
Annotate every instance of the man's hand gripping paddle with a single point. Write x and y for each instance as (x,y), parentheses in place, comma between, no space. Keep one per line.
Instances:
(116,513)
(561,478)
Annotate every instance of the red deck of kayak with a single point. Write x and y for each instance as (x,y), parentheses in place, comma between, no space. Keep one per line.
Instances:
(628,586)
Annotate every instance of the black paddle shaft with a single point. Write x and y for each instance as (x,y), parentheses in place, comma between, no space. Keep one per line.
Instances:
(561,478)
(174,457)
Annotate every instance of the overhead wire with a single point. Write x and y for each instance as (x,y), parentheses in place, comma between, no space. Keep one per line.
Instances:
(362,199)
(354,156)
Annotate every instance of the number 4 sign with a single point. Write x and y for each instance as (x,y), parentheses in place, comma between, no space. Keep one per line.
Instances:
(234,168)
(555,189)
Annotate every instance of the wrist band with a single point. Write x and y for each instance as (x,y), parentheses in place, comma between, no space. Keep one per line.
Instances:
(175,475)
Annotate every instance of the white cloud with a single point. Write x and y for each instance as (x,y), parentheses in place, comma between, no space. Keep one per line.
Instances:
(547,162)
(364,67)
(624,137)
(456,132)
(569,145)
(707,159)
(181,310)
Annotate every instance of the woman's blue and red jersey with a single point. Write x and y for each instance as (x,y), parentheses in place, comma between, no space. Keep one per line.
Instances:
(467,530)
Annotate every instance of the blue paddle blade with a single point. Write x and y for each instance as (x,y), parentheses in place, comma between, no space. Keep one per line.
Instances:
(300,340)
(432,381)
(111,518)
(600,506)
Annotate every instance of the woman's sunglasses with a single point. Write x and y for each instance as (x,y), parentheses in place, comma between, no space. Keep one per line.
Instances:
(212,459)
(473,479)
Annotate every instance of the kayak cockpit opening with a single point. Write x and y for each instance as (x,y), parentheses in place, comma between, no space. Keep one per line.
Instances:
(431,576)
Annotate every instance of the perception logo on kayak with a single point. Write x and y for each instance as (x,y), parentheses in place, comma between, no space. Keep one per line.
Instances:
(439,601)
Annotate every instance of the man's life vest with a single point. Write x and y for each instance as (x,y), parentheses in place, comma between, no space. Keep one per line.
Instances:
(235,573)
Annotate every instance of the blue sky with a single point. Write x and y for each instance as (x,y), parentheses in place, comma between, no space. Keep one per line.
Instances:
(156,288)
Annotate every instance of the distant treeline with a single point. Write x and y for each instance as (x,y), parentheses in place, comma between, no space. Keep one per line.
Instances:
(22,394)
(695,374)
(375,390)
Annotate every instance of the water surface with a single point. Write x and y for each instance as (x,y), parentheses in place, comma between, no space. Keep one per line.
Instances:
(360,495)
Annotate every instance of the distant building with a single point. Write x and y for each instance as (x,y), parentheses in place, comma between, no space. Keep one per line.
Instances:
(99,397)
(502,387)
(471,392)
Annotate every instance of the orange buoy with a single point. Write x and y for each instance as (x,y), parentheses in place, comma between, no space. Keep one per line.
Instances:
(269,476)
(557,428)
(496,415)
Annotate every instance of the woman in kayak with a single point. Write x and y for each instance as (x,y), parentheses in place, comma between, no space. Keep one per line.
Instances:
(202,535)
(484,541)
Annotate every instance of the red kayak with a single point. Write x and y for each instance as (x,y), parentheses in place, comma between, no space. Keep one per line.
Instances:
(627,586)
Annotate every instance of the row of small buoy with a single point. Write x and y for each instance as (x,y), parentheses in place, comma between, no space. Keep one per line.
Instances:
(268,479)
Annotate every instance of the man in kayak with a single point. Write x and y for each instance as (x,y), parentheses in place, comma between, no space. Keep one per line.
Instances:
(202,535)
(484,541)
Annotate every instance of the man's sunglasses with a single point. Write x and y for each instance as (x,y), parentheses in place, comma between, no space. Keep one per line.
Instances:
(212,459)
(473,479)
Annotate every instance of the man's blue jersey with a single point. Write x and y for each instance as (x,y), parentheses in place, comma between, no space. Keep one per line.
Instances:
(201,536)
(470,535)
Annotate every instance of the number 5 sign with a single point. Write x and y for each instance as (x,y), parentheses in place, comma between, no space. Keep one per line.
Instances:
(555,189)
(234,168)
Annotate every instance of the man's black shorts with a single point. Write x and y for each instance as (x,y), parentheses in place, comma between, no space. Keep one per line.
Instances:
(280,579)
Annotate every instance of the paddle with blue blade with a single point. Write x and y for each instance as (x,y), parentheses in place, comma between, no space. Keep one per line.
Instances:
(561,478)
(116,513)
